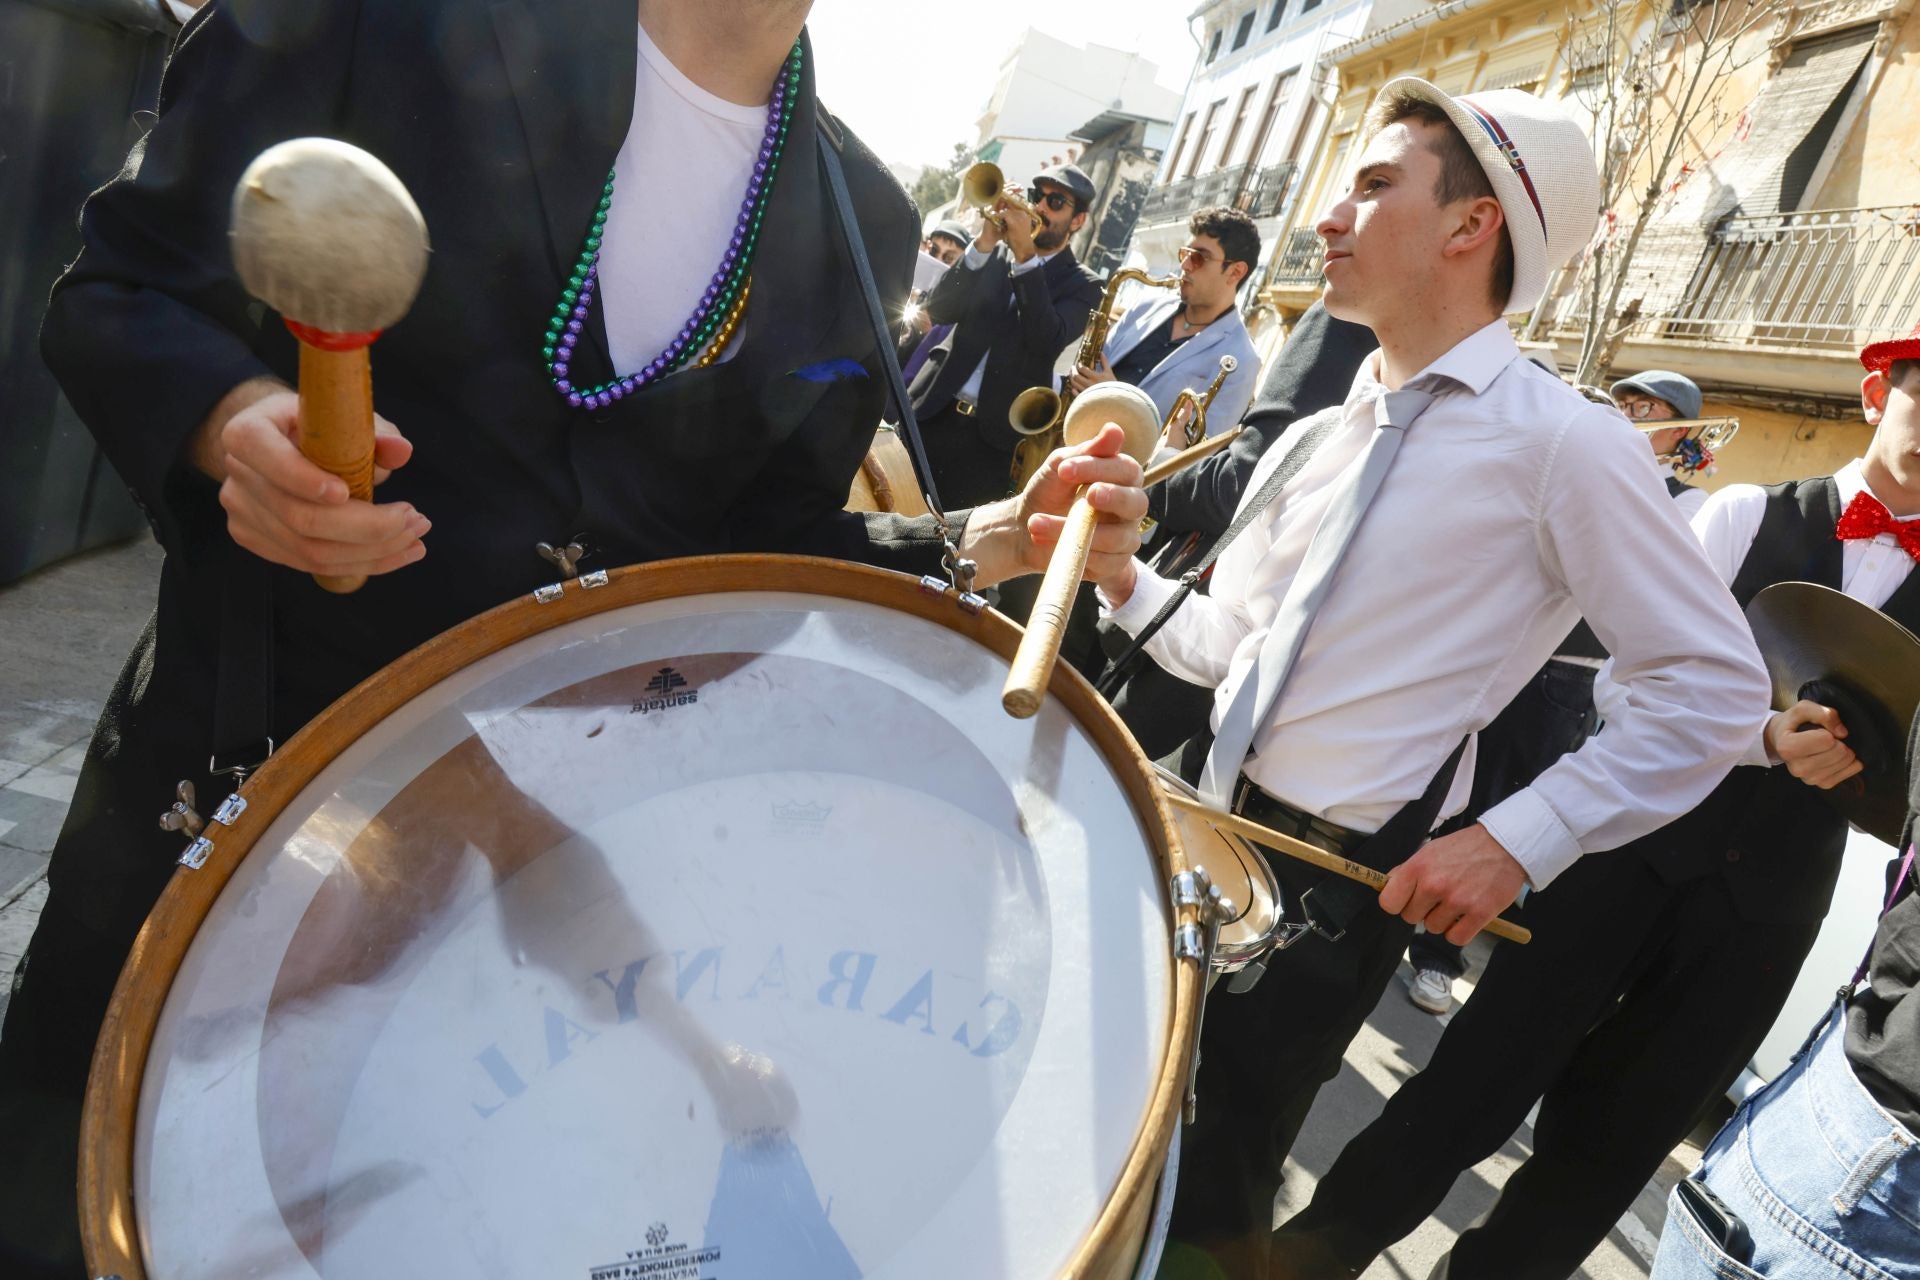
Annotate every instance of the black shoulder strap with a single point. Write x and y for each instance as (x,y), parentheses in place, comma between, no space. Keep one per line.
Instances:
(883,338)
(1307,437)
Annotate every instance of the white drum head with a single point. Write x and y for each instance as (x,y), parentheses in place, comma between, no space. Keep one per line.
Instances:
(718,938)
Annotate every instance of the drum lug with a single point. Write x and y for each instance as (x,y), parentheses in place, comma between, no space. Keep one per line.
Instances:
(230,810)
(1197,941)
(934,585)
(549,593)
(183,816)
(196,854)
(598,578)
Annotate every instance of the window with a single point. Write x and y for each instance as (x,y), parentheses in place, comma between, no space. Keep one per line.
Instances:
(1213,47)
(1245,29)
(1793,121)
(1282,89)
(1273,19)
(1180,146)
(1206,136)
(1309,4)
(1239,122)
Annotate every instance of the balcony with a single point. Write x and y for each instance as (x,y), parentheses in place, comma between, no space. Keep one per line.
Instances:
(1820,280)
(1260,193)
(1298,263)
(1823,280)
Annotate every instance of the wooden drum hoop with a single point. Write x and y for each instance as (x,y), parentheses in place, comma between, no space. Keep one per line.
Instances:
(110,1232)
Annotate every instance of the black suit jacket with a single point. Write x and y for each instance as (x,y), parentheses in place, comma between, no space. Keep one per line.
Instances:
(503,118)
(1020,341)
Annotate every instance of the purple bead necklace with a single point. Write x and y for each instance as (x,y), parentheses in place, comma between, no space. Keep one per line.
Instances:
(723,294)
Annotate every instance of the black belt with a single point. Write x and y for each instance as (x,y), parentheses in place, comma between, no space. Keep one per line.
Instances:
(1250,802)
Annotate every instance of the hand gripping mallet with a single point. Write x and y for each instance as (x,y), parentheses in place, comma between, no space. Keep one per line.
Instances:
(1135,413)
(326,235)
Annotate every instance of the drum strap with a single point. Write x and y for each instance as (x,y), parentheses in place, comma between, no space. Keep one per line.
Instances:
(961,571)
(1307,437)
(243,685)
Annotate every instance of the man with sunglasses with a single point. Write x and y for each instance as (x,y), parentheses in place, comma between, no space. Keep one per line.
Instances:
(1015,299)
(1173,344)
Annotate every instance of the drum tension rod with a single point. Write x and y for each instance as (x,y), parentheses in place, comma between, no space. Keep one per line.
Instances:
(934,585)
(1198,941)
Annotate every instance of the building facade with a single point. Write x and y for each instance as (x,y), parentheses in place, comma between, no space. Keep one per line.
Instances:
(1786,237)
(1253,116)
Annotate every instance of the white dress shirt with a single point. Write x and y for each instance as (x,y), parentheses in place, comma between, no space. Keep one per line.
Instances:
(1514,507)
(1871,569)
(973,261)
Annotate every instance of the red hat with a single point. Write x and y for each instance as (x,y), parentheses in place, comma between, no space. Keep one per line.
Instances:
(1878,356)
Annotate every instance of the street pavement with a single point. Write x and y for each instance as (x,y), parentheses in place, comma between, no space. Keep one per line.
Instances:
(65,631)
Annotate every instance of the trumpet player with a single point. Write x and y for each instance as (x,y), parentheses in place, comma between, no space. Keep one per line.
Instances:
(1175,344)
(1015,298)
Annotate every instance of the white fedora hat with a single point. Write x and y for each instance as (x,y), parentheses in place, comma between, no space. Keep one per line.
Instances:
(1542,169)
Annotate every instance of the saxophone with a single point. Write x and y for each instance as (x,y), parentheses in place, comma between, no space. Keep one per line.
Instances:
(1038,412)
(1196,426)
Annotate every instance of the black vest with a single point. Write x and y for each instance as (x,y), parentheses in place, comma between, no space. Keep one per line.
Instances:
(1770,835)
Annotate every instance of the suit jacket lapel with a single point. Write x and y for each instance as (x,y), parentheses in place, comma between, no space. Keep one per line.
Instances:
(572,73)
(1133,332)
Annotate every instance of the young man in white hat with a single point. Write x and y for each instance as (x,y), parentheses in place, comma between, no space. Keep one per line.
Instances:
(1350,682)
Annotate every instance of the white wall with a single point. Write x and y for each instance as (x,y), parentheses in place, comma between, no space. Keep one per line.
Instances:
(1296,44)
(1048,87)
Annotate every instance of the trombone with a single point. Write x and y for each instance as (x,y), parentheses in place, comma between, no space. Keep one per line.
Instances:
(1693,451)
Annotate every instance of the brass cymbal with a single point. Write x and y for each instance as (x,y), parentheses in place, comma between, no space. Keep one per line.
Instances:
(1869,668)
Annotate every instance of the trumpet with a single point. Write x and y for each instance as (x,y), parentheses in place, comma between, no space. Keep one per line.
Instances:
(1197,424)
(983,186)
(1693,451)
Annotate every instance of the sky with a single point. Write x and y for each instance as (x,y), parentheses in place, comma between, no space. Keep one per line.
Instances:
(912,77)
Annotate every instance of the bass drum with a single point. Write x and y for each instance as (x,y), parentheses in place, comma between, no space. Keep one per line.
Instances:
(710,921)
(885,481)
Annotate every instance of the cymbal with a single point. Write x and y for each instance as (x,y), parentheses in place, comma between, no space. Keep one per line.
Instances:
(1868,667)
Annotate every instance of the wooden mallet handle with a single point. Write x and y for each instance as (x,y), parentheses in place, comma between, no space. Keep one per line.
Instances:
(1107,403)
(336,419)
(1305,852)
(1039,648)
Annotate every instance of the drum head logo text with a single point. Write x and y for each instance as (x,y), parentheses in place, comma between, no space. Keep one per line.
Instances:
(668,689)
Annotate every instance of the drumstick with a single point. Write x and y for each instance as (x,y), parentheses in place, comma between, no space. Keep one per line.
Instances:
(1187,457)
(1333,862)
(327,236)
(1134,412)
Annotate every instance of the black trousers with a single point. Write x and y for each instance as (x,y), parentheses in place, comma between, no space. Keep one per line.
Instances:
(1550,716)
(1636,1005)
(108,867)
(1264,1055)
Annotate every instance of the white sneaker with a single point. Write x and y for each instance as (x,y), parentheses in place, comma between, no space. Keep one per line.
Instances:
(1431,989)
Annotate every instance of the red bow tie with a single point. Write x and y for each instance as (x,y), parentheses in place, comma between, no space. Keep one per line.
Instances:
(1866,517)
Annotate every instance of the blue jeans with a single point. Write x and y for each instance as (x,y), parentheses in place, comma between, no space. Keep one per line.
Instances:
(1827,1183)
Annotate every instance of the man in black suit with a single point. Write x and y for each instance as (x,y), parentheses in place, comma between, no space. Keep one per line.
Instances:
(1015,300)
(505,121)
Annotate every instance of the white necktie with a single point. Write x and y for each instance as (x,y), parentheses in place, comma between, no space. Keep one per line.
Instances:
(1253,701)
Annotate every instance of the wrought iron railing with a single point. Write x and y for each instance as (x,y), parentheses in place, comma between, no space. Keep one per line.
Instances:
(1164,204)
(1261,193)
(1819,279)
(1300,258)
(1266,190)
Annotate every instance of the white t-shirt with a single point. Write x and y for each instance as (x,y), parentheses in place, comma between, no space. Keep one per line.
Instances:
(677,189)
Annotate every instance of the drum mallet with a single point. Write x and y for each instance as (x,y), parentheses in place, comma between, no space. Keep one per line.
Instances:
(1134,412)
(326,235)
(1316,856)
